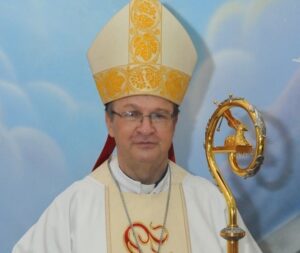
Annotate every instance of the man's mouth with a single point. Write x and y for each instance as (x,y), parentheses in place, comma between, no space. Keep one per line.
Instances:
(145,144)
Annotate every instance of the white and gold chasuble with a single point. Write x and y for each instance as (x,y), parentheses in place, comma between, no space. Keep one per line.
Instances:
(147,214)
(88,217)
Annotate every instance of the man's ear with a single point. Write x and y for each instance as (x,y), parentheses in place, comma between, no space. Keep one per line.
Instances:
(109,124)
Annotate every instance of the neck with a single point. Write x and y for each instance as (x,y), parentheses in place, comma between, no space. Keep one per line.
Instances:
(146,173)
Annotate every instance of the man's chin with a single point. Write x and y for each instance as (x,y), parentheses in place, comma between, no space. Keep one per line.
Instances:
(147,155)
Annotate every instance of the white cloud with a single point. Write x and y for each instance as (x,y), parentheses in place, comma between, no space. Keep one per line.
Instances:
(10,156)
(287,106)
(55,93)
(33,171)
(28,150)
(234,71)
(38,148)
(7,70)
(224,13)
(15,105)
(25,150)
(32,161)
(296,60)
(13,90)
(248,13)
(233,56)
(254,11)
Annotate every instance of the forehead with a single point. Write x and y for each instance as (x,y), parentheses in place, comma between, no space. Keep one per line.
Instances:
(143,102)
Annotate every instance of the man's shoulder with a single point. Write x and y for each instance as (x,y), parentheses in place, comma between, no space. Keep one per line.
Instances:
(79,196)
(101,174)
(194,183)
(85,188)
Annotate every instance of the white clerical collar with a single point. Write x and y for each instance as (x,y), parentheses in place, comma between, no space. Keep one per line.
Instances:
(127,184)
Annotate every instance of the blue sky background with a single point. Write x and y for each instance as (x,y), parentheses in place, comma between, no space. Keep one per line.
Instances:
(51,118)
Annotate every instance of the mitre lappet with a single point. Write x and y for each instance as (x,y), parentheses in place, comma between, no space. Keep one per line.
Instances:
(143,50)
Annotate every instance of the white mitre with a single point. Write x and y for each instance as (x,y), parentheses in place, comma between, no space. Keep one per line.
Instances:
(143,50)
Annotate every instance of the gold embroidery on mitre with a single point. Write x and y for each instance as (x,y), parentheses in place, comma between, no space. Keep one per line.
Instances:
(176,84)
(157,80)
(145,77)
(145,31)
(144,48)
(111,83)
(144,74)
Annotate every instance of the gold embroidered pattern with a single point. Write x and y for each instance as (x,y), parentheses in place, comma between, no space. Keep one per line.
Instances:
(145,77)
(145,48)
(148,79)
(144,31)
(144,73)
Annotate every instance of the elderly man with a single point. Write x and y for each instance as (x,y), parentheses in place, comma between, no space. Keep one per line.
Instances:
(137,200)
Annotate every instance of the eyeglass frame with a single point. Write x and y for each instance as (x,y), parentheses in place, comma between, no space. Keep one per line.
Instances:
(140,118)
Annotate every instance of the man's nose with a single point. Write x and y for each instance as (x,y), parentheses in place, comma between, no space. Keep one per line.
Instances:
(146,125)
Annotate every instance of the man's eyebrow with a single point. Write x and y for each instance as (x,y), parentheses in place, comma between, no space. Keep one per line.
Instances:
(136,107)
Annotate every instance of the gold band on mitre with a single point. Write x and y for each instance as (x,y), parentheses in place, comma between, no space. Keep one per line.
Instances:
(143,50)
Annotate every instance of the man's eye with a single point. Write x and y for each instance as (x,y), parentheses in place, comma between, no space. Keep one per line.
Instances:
(131,114)
(159,116)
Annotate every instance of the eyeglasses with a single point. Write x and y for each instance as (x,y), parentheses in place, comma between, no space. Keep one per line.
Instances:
(157,118)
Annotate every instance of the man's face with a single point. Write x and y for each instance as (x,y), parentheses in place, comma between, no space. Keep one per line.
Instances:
(143,141)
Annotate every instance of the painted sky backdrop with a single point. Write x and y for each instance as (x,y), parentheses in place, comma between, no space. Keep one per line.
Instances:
(51,118)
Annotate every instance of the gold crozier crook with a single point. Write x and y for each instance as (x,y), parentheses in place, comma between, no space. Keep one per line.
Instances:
(233,145)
